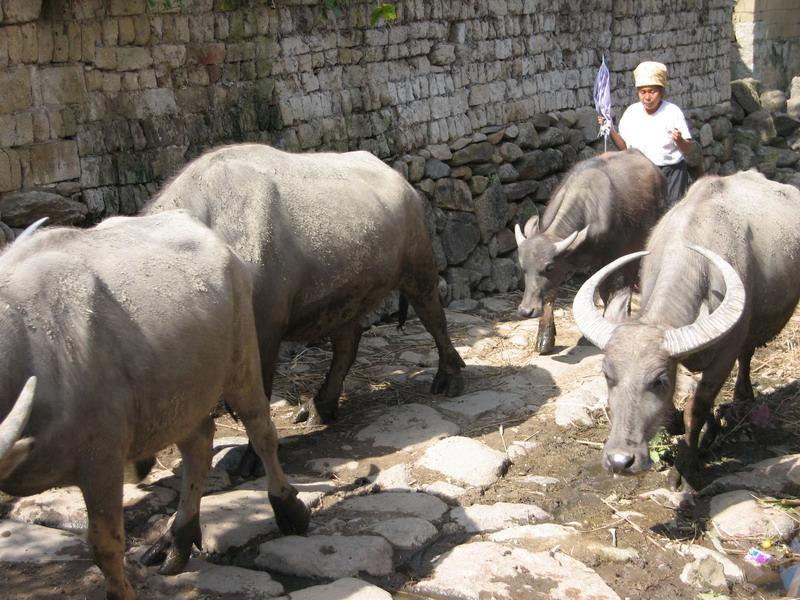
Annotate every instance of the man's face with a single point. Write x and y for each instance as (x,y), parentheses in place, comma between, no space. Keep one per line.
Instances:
(650,96)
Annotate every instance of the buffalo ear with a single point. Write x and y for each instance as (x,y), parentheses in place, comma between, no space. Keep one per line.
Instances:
(572,242)
(532,226)
(18,453)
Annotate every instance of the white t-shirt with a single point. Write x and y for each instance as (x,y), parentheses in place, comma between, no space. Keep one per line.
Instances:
(650,133)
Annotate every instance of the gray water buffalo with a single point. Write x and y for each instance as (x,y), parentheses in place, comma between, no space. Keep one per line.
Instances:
(328,236)
(133,330)
(722,277)
(604,208)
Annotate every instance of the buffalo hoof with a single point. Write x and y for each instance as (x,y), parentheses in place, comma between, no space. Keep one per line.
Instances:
(168,554)
(250,464)
(174,548)
(301,415)
(291,513)
(309,415)
(545,339)
(450,385)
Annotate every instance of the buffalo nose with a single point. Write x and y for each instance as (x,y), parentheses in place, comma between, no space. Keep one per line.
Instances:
(525,312)
(619,462)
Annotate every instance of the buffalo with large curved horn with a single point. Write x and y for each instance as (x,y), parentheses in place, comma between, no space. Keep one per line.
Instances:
(13,450)
(641,363)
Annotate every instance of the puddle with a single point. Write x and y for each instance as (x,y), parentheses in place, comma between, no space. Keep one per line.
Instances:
(790,576)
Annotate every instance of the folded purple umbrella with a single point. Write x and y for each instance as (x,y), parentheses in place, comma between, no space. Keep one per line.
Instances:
(602,98)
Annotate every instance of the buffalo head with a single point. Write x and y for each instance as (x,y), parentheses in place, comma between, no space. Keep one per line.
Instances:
(543,260)
(641,362)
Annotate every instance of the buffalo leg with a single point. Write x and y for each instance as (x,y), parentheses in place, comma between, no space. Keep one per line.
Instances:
(743,390)
(174,548)
(102,492)
(546,335)
(291,513)
(249,465)
(428,306)
(695,416)
(326,401)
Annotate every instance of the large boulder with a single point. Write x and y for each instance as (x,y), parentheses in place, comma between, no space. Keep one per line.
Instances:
(20,209)
(745,92)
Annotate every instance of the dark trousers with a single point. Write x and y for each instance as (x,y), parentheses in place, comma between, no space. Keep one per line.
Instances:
(677,176)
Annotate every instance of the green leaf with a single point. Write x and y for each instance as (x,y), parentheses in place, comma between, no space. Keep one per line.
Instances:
(384,11)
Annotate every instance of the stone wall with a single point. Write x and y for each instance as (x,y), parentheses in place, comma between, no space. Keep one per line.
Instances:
(483,106)
(766,41)
(101,100)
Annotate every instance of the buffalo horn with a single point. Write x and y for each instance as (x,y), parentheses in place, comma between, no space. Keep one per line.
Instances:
(701,334)
(592,325)
(14,423)
(518,234)
(29,231)
(565,243)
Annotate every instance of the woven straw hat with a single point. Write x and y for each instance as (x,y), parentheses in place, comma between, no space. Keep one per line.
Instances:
(650,73)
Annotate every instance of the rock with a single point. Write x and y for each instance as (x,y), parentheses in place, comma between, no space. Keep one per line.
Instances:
(436,169)
(406,426)
(329,557)
(705,574)
(347,588)
(780,475)
(785,125)
(397,478)
(453,194)
(246,584)
(480,152)
(745,93)
(539,163)
(548,535)
(480,518)
(397,504)
(64,508)
(575,408)
(488,569)
(527,136)
(406,533)
(29,543)
(491,210)
(762,123)
(233,518)
(20,209)
(738,514)
(484,467)
(460,236)
(7,235)
(773,100)
(731,570)
(484,402)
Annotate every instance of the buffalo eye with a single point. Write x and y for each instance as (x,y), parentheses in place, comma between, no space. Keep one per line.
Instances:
(549,268)
(661,382)
(611,378)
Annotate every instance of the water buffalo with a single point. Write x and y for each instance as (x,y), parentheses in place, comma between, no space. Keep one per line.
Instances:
(328,236)
(604,208)
(702,316)
(133,330)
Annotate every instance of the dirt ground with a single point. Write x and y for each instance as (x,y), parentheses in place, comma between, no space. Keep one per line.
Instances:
(586,496)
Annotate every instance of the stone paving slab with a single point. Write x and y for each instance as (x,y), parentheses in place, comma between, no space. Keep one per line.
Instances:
(247,584)
(488,569)
(484,467)
(406,426)
(364,529)
(327,556)
(347,588)
(485,518)
(28,543)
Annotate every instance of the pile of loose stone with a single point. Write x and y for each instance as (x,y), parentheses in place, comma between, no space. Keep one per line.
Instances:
(411,488)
